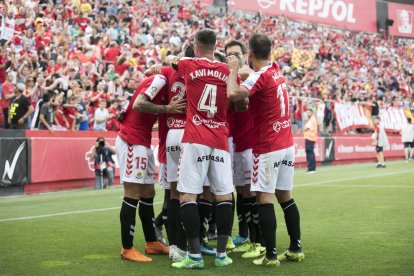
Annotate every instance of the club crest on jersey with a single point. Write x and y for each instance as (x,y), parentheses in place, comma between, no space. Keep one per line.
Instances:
(279,125)
(139,175)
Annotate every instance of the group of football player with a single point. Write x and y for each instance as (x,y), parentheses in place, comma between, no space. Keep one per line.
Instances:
(223,121)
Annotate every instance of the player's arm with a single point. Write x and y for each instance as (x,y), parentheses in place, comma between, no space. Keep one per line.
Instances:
(143,102)
(153,70)
(235,93)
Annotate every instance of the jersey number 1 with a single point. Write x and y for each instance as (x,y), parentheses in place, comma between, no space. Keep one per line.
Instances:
(208,100)
(281,89)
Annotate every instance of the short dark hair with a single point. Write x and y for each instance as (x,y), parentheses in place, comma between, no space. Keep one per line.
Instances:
(219,56)
(232,43)
(409,120)
(206,39)
(189,51)
(261,45)
(46,97)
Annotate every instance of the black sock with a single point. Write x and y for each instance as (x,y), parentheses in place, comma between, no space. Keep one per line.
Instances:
(158,220)
(255,218)
(267,220)
(212,228)
(181,236)
(247,206)
(292,219)
(191,222)
(172,215)
(204,211)
(241,217)
(224,208)
(146,214)
(233,210)
(127,217)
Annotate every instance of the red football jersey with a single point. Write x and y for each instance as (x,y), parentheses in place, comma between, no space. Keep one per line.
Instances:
(243,138)
(269,102)
(136,127)
(176,87)
(162,136)
(206,85)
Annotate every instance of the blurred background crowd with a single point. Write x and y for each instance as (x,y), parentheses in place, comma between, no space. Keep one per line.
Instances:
(89,56)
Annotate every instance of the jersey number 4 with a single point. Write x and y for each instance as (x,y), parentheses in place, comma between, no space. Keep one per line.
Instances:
(208,100)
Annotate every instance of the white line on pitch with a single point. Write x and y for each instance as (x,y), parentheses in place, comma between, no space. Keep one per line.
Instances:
(365,186)
(351,178)
(66,213)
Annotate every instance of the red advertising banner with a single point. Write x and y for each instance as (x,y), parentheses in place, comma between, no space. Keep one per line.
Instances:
(403,16)
(300,153)
(352,147)
(357,15)
(61,158)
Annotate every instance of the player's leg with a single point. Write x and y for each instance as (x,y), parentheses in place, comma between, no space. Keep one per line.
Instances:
(242,178)
(205,203)
(283,194)
(221,183)
(129,205)
(177,238)
(161,219)
(406,151)
(411,151)
(265,172)
(190,184)
(144,169)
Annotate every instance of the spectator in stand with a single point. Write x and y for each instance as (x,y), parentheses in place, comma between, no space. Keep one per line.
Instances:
(6,97)
(101,117)
(407,137)
(46,116)
(113,123)
(20,108)
(310,134)
(380,141)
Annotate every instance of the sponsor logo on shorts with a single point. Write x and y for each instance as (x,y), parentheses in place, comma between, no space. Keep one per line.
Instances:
(174,148)
(210,158)
(284,163)
(279,125)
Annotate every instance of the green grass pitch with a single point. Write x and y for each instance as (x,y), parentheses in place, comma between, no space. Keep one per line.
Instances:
(355,219)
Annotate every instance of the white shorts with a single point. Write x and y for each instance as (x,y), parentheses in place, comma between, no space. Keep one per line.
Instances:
(174,145)
(273,170)
(162,177)
(136,163)
(242,167)
(200,161)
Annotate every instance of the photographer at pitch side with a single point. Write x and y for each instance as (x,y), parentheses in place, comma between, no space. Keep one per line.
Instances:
(104,164)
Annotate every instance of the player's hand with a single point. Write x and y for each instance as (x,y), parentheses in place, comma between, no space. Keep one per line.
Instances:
(233,63)
(177,105)
(21,121)
(120,116)
(156,69)
(244,72)
(242,105)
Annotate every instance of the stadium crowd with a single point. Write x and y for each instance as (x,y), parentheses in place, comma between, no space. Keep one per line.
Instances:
(90,57)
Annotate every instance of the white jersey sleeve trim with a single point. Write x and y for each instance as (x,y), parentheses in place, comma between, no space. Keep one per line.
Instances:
(253,77)
(156,85)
